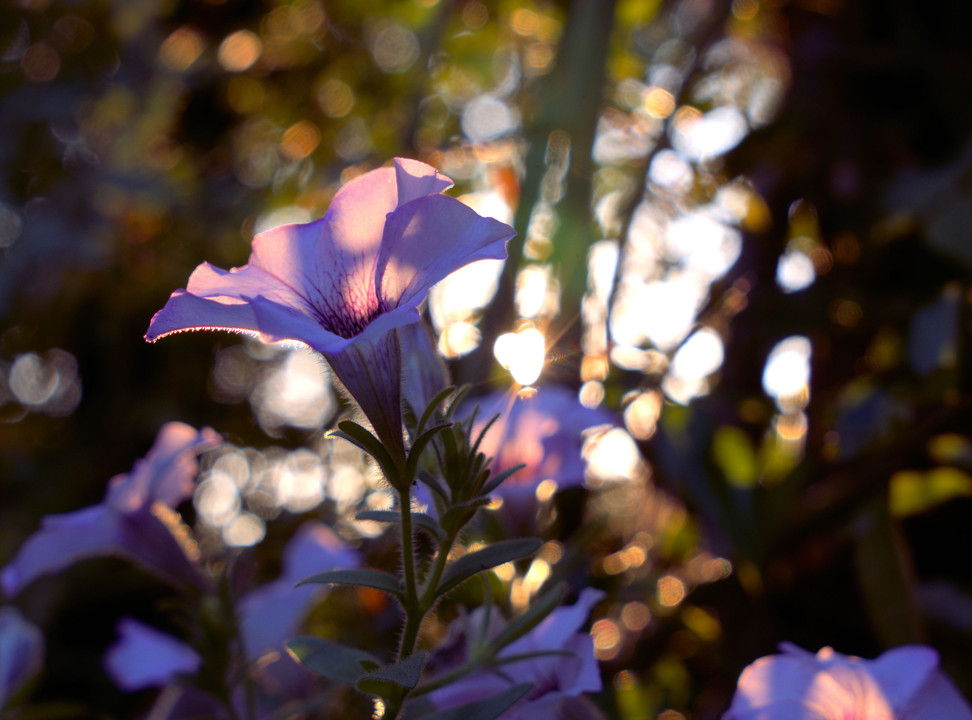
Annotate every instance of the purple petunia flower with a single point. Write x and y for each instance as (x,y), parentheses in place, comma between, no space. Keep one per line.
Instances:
(558,680)
(267,617)
(342,284)
(21,653)
(902,684)
(542,432)
(129,522)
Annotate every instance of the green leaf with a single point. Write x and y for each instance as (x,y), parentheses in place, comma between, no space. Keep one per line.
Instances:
(333,661)
(436,401)
(404,673)
(489,557)
(422,520)
(459,515)
(376,579)
(419,445)
(357,435)
(733,452)
(488,709)
(522,624)
(495,481)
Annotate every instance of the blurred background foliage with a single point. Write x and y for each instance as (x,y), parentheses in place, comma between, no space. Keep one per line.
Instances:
(742,225)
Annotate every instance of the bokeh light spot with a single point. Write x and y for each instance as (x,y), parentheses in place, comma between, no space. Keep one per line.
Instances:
(239,51)
(41,63)
(181,49)
(335,98)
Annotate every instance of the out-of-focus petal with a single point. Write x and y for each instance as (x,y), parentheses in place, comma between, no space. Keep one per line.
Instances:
(429,238)
(424,372)
(144,657)
(99,531)
(902,672)
(937,699)
(168,471)
(902,684)
(271,614)
(21,652)
(125,524)
(554,677)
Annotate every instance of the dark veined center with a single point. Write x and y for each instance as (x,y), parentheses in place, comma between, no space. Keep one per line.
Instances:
(347,315)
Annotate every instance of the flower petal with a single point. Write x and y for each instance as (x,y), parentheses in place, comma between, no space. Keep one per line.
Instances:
(167,474)
(21,652)
(270,614)
(415,179)
(98,531)
(938,699)
(902,672)
(145,657)
(429,238)
(331,262)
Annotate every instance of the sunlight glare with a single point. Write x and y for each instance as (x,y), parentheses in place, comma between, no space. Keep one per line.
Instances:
(522,353)
(786,375)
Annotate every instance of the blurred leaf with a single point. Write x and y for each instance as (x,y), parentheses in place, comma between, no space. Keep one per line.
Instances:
(385,680)
(733,452)
(914,492)
(333,661)
(422,520)
(489,557)
(376,579)
(496,480)
(885,576)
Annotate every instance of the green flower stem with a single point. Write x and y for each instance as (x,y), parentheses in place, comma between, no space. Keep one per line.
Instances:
(428,594)
(413,610)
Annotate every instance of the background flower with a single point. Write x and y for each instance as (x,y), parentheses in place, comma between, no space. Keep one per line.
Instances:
(21,653)
(557,679)
(132,520)
(266,617)
(901,684)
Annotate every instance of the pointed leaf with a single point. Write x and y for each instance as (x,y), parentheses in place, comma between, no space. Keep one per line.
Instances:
(436,401)
(522,624)
(457,400)
(359,436)
(460,514)
(422,520)
(404,673)
(377,579)
(489,557)
(333,661)
(488,709)
(419,445)
(495,481)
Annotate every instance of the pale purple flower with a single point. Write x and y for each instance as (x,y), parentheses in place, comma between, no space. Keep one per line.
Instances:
(267,617)
(129,522)
(901,684)
(145,657)
(558,680)
(343,283)
(21,653)
(545,433)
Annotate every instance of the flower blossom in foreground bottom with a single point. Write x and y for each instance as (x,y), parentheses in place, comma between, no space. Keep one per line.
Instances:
(902,684)
(559,678)
(21,653)
(342,284)
(267,616)
(131,520)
